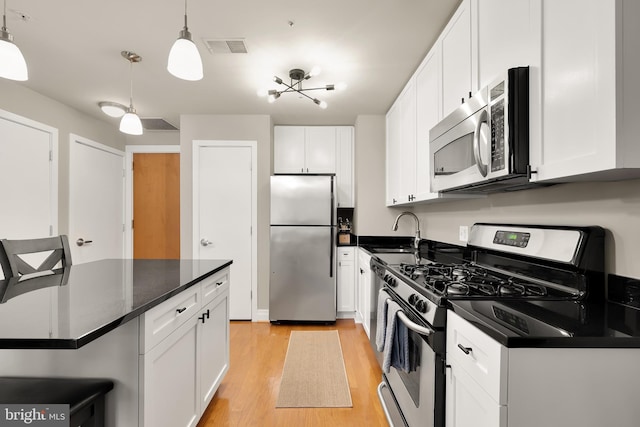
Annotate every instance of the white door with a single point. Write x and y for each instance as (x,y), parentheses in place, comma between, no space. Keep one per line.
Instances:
(96,201)
(224,217)
(28,208)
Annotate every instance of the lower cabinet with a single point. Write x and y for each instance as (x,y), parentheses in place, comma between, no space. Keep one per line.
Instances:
(363,290)
(346,303)
(180,375)
(490,385)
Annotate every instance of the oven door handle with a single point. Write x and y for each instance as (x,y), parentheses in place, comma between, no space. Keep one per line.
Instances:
(422,330)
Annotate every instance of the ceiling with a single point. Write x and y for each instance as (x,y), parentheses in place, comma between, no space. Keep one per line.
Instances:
(72,49)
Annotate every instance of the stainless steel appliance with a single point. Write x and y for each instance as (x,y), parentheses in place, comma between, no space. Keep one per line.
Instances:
(483,146)
(541,272)
(302,286)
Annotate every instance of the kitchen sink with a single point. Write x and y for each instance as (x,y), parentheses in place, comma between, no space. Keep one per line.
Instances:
(397,258)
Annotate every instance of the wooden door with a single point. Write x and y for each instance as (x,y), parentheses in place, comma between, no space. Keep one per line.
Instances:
(224,214)
(96,201)
(156,205)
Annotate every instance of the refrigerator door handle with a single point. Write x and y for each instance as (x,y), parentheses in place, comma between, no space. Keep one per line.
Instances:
(331,252)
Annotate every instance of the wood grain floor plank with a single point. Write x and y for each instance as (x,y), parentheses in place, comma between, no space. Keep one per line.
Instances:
(248,394)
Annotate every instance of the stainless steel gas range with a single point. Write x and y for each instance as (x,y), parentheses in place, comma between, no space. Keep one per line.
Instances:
(540,277)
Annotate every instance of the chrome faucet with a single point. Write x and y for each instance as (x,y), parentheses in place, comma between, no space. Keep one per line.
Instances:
(416,240)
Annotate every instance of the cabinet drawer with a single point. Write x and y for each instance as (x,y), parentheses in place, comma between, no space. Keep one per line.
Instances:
(214,286)
(482,358)
(346,254)
(165,318)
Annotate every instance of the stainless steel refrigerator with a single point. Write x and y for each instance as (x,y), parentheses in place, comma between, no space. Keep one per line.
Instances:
(303,276)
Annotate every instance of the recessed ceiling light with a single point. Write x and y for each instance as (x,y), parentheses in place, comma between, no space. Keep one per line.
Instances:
(112,109)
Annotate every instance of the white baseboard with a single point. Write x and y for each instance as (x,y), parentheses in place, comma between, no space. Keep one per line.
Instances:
(346,315)
(261,316)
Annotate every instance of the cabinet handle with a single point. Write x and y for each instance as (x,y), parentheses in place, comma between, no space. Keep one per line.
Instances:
(180,310)
(361,271)
(461,100)
(201,318)
(465,350)
(302,170)
(207,313)
(219,283)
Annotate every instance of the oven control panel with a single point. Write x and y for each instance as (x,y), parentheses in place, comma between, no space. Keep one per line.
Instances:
(512,238)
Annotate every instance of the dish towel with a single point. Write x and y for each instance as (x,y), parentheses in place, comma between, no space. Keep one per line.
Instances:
(400,350)
(392,319)
(383,296)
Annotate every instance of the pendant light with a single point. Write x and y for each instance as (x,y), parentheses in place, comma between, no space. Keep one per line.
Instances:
(184,59)
(130,122)
(12,63)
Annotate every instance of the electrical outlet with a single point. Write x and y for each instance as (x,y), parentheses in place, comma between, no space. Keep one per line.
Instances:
(464,233)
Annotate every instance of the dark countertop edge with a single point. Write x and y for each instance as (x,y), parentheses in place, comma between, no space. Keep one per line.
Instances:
(73,344)
(543,342)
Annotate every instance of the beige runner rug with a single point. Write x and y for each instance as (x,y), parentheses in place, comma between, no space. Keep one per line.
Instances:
(314,375)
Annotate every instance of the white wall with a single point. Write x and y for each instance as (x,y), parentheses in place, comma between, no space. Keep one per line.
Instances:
(22,101)
(612,205)
(371,217)
(228,127)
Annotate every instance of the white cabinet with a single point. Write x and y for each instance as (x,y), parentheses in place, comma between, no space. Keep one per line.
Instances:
(304,149)
(490,385)
(344,167)
(317,149)
(168,370)
(591,97)
(363,294)
(393,154)
(508,35)
(184,353)
(401,146)
(213,354)
(346,281)
(457,66)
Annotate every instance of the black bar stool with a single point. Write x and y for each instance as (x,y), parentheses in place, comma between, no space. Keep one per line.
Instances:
(85,396)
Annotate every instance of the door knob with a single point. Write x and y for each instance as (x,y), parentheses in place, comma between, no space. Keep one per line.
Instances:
(205,242)
(81,242)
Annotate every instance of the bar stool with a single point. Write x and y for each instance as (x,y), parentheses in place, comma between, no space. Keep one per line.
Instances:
(85,396)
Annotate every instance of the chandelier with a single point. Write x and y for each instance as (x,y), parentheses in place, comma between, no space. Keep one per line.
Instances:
(297,76)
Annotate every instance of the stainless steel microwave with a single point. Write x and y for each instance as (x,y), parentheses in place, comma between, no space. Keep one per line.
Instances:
(483,146)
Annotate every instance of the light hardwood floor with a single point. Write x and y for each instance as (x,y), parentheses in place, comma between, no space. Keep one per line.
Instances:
(247,396)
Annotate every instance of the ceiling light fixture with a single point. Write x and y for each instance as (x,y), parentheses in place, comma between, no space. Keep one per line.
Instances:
(184,59)
(112,109)
(130,122)
(297,76)
(12,63)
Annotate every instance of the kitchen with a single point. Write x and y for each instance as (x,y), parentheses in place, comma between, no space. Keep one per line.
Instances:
(612,205)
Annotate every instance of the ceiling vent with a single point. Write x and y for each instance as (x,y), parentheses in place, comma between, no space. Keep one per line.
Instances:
(156,123)
(216,46)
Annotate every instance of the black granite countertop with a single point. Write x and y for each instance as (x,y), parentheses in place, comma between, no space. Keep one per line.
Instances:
(565,324)
(93,299)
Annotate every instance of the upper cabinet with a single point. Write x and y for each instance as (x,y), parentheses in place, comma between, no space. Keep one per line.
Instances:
(344,167)
(590,92)
(584,98)
(304,149)
(456,44)
(317,150)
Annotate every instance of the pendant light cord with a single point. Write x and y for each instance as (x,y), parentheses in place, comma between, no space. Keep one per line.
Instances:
(185,14)
(4,16)
(131,84)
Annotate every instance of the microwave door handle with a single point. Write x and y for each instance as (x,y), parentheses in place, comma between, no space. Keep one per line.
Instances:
(476,143)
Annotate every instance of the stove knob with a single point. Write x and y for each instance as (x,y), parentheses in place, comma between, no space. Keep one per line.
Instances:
(421,306)
(392,282)
(413,298)
(386,278)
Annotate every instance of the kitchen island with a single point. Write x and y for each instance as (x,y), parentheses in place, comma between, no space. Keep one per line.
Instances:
(158,328)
